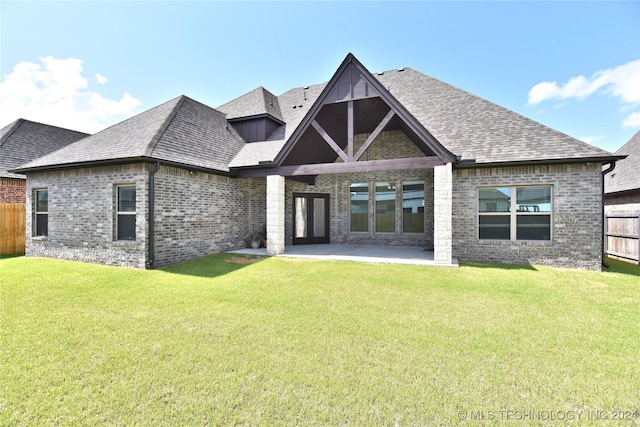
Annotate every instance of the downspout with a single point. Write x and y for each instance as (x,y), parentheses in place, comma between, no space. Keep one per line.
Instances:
(152,214)
(611,167)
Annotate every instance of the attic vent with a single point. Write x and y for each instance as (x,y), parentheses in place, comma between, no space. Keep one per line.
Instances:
(306,87)
(380,73)
(401,69)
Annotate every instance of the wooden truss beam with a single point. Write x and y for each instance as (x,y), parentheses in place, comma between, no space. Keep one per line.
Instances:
(364,166)
(330,141)
(373,135)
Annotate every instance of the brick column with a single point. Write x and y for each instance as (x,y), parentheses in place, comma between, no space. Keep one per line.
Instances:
(442,211)
(275,214)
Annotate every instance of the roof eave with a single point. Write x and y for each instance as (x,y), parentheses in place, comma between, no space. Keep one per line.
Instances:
(256,116)
(111,162)
(472,164)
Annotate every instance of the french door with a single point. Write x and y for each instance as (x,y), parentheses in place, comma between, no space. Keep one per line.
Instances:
(310,218)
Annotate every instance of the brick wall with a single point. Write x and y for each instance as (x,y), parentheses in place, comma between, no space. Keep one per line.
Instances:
(199,214)
(81,215)
(12,190)
(196,214)
(576,221)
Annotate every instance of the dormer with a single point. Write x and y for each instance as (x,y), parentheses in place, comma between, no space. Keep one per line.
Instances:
(254,115)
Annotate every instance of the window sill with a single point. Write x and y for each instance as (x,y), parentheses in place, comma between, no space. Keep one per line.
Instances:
(517,242)
(39,238)
(124,242)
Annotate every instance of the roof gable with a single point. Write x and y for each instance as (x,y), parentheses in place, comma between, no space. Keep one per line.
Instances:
(351,82)
(626,175)
(180,131)
(23,141)
(259,102)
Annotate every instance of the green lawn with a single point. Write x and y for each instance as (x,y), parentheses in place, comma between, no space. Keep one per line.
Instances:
(222,341)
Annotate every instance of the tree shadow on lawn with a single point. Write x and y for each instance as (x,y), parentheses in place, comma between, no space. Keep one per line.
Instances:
(213,265)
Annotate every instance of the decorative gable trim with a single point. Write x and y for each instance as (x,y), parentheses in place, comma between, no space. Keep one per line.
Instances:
(352,81)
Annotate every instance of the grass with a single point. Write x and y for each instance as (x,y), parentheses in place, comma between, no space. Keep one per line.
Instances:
(233,340)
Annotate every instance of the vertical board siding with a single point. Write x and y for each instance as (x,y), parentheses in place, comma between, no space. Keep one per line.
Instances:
(12,228)
(623,236)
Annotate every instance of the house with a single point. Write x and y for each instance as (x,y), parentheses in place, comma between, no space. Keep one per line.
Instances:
(20,142)
(622,204)
(389,158)
(622,185)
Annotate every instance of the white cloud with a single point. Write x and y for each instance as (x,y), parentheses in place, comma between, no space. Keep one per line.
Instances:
(632,121)
(592,139)
(622,82)
(101,79)
(55,92)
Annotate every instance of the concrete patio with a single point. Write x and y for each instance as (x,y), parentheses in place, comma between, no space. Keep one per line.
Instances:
(361,253)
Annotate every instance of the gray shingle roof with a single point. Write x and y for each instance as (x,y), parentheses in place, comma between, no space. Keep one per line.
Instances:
(626,175)
(23,141)
(465,124)
(258,102)
(475,128)
(181,131)
(186,132)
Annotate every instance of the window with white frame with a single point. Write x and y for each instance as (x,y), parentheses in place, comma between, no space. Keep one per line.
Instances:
(125,212)
(515,213)
(41,212)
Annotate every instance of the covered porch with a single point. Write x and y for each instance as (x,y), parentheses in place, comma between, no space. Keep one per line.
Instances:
(412,255)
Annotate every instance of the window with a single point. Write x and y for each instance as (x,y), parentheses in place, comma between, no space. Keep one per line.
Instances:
(413,207)
(527,216)
(126,212)
(385,207)
(359,201)
(41,212)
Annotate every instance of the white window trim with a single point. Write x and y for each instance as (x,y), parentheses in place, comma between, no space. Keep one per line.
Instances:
(36,213)
(118,213)
(513,213)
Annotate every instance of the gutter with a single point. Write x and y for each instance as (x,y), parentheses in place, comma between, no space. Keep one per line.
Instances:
(611,167)
(152,214)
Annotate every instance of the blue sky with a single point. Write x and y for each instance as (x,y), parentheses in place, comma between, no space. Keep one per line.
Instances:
(573,66)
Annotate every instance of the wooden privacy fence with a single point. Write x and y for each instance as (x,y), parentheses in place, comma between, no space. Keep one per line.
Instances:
(622,233)
(12,228)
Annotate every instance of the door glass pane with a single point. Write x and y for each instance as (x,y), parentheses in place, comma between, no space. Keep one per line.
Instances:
(496,227)
(385,207)
(413,207)
(359,207)
(533,199)
(494,199)
(318,217)
(301,217)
